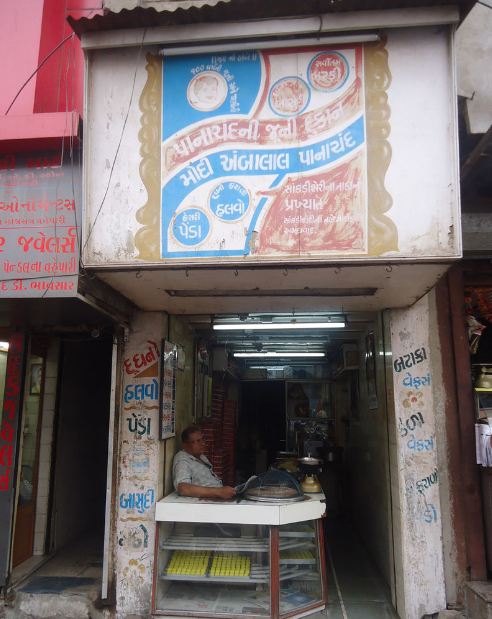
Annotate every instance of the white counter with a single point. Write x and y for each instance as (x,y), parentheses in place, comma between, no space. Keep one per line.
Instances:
(175,508)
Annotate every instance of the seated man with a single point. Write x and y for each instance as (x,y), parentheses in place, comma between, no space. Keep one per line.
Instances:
(192,472)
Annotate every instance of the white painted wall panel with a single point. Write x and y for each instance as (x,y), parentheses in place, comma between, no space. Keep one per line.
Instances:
(421,177)
(421,586)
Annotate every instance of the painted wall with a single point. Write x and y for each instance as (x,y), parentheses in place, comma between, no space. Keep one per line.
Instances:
(32,29)
(46,446)
(145,462)
(473,41)
(367,454)
(17,28)
(421,177)
(418,520)
(140,457)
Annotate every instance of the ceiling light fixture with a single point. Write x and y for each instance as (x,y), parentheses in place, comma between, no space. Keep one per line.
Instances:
(256,326)
(279,354)
(4,346)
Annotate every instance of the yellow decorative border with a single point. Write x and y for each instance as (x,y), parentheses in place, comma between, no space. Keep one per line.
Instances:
(382,231)
(147,238)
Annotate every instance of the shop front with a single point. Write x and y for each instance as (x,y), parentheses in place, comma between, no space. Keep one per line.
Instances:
(257,202)
(246,557)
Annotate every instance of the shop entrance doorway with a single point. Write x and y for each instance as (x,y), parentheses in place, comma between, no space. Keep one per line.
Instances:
(313,385)
(261,426)
(81,440)
(73,445)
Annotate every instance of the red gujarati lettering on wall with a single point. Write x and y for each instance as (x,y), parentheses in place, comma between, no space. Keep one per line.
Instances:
(141,360)
(10,406)
(319,213)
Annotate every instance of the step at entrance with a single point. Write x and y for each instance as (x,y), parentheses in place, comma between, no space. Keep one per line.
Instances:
(479,599)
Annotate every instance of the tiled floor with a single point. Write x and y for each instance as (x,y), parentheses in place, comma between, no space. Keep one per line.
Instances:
(82,558)
(355,588)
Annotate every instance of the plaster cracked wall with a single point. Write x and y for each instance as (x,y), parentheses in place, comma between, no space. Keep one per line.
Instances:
(145,462)
(422,590)
(139,458)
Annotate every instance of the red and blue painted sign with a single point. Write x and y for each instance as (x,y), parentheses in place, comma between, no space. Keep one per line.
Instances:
(264,154)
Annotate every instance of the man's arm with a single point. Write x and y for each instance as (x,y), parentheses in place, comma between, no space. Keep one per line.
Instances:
(204,492)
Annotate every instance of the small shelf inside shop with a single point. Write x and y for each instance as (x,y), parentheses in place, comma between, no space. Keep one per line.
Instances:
(259,573)
(220,544)
(294,531)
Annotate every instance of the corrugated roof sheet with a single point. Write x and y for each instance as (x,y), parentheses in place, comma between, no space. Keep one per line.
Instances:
(115,6)
(152,13)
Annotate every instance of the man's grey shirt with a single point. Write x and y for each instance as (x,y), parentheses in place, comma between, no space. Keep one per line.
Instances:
(189,470)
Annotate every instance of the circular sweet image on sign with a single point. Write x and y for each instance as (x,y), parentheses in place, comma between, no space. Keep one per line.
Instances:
(289,96)
(229,201)
(207,91)
(328,71)
(191,227)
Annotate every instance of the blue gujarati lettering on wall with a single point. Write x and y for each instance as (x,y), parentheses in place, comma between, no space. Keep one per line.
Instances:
(218,166)
(150,391)
(141,501)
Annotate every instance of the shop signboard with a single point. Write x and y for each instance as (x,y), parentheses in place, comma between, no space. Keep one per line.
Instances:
(264,153)
(9,441)
(40,195)
(288,155)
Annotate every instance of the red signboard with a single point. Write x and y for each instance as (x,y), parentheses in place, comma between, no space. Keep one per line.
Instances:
(9,441)
(40,195)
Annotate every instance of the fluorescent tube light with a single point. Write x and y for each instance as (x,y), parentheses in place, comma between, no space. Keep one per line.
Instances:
(250,326)
(4,346)
(279,354)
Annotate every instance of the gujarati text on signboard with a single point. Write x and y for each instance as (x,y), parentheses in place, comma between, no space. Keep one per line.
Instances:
(40,195)
(264,154)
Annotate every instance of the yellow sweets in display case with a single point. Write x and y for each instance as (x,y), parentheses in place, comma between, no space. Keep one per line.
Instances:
(230,564)
(293,554)
(189,562)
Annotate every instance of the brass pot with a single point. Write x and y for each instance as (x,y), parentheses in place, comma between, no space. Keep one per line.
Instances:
(484,379)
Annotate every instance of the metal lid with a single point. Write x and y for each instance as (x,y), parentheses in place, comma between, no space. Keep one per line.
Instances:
(274,486)
(310,460)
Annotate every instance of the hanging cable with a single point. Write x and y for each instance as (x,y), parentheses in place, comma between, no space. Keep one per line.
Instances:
(119,143)
(70,36)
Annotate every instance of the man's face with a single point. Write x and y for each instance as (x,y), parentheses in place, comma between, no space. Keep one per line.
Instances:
(195,445)
(206,92)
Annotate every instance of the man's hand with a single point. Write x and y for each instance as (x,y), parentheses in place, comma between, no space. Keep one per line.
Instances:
(225,492)
(206,492)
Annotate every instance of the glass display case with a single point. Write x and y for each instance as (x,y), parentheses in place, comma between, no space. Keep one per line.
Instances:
(231,569)
(310,416)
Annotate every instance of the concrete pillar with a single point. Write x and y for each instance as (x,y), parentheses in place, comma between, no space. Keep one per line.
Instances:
(420,586)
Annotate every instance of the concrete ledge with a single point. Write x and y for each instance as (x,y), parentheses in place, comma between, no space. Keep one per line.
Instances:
(53,606)
(30,132)
(479,599)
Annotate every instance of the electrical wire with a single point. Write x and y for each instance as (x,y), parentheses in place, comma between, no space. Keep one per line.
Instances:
(119,142)
(69,115)
(70,36)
